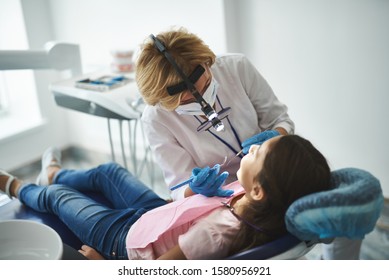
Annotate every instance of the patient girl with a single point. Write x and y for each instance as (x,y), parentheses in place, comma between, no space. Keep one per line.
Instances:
(141,225)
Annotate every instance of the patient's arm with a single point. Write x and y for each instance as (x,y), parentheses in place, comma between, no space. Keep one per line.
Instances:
(174,253)
(90,253)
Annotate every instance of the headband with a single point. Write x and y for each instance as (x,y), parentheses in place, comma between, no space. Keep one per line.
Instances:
(180,87)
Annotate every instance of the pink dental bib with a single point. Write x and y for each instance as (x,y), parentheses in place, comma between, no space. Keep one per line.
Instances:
(155,222)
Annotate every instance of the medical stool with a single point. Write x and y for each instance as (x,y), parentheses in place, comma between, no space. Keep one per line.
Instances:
(349,209)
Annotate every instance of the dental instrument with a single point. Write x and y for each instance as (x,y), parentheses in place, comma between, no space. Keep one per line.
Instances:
(179,185)
(228,162)
(224,161)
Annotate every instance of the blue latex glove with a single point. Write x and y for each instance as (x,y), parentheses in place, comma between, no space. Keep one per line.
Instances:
(206,181)
(258,139)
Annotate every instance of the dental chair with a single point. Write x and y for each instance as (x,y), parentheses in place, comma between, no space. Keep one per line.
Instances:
(349,209)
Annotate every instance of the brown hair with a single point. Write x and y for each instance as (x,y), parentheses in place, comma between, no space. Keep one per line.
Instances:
(293,168)
(154,73)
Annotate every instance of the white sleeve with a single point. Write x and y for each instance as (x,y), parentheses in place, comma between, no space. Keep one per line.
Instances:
(176,162)
(271,112)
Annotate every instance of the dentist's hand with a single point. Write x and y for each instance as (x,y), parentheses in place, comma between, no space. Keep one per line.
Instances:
(258,139)
(206,181)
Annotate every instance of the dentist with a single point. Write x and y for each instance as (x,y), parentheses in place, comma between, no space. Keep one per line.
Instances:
(178,76)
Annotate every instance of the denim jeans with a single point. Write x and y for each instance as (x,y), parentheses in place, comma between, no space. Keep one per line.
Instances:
(95,224)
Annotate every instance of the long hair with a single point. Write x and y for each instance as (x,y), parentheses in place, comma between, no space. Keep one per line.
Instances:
(154,73)
(292,168)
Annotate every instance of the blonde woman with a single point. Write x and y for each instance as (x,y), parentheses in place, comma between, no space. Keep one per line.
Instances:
(172,115)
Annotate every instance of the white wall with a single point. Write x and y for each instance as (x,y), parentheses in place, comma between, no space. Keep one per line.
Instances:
(101,26)
(328,60)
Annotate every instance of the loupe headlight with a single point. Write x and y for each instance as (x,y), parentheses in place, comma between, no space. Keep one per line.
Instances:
(217,125)
(214,120)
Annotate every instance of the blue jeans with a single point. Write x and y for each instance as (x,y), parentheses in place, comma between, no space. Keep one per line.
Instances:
(95,224)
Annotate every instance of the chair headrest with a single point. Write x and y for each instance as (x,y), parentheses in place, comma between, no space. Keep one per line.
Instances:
(349,209)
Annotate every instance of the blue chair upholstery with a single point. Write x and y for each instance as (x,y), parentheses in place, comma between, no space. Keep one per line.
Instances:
(350,209)
(285,247)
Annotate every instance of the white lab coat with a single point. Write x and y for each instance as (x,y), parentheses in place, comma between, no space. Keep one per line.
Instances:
(178,147)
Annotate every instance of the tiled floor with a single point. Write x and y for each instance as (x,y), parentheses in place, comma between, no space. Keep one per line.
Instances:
(374,246)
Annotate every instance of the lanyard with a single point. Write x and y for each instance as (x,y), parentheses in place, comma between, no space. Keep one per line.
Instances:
(232,128)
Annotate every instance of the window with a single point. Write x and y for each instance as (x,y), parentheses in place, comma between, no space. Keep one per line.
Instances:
(19,107)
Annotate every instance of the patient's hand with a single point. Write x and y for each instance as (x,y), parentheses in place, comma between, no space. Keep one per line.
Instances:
(90,253)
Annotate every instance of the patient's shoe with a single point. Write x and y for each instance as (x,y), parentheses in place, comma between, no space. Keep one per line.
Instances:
(8,183)
(51,157)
